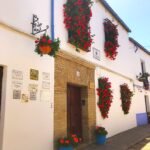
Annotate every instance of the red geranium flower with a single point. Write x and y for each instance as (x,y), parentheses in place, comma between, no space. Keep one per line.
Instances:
(111,39)
(77,16)
(105,96)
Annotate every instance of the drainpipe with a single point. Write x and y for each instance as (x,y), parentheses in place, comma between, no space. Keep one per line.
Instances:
(52,20)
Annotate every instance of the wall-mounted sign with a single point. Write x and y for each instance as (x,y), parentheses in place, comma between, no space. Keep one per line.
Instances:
(17,74)
(46,76)
(34,74)
(96,53)
(37,26)
(16,94)
(45,95)
(17,85)
(33,95)
(45,85)
(33,87)
(24,98)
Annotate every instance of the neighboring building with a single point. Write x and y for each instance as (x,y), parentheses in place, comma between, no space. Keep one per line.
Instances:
(68,101)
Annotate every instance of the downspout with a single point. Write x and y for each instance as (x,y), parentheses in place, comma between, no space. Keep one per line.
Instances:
(52,20)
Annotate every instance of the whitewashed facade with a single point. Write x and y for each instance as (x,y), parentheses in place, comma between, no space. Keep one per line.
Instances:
(24,125)
(123,70)
(31,125)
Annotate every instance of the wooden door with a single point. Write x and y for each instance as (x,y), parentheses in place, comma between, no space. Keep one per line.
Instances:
(74,110)
(1,77)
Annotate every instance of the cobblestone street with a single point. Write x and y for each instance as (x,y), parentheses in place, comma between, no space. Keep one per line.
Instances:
(142,145)
(134,139)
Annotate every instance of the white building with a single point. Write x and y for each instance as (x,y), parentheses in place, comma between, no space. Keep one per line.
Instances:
(36,123)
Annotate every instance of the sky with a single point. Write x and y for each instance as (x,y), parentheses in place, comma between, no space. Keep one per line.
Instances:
(136,15)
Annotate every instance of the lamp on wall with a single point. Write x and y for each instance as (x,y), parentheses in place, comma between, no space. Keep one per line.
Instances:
(142,76)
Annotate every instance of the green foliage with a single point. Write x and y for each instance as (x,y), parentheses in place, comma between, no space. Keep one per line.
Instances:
(100,131)
(46,41)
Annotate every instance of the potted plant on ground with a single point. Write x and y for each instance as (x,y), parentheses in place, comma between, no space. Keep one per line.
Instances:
(68,143)
(100,135)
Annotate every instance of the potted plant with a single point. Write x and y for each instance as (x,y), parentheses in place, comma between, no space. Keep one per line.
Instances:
(44,45)
(100,135)
(68,143)
(143,76)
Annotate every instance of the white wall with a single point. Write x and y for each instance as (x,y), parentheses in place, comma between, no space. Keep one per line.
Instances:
(96,23)
(19,14)
(30,125)
(27,126)
(136,65)
(116,121)
(125,67)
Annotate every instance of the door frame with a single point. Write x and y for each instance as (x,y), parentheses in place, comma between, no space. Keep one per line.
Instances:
(67,73)
(3,101)
(1,86)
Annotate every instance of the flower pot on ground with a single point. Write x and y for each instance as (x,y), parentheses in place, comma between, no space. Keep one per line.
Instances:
(65,148)
(68,143)
(101,135)
(101,139)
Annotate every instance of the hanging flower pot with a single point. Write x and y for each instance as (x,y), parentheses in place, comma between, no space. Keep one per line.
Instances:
(45,45)
(45,49)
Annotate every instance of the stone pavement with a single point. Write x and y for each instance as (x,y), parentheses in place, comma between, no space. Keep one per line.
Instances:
(143,145)
(124,140)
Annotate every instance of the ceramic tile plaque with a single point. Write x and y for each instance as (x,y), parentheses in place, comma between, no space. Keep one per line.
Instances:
(34,74)
(45,85)
(16,94)
(17,85)
(33,89)
(17,74)
(46,76)
(33,95)
(24,98)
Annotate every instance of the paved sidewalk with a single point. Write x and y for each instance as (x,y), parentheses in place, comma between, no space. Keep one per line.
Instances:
(123,140)
(143,145)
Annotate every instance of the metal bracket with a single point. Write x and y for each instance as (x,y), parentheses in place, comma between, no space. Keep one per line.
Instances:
(36,26)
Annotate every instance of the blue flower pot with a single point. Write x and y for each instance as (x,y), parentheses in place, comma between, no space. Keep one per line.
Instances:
(66,148)
(101,139)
